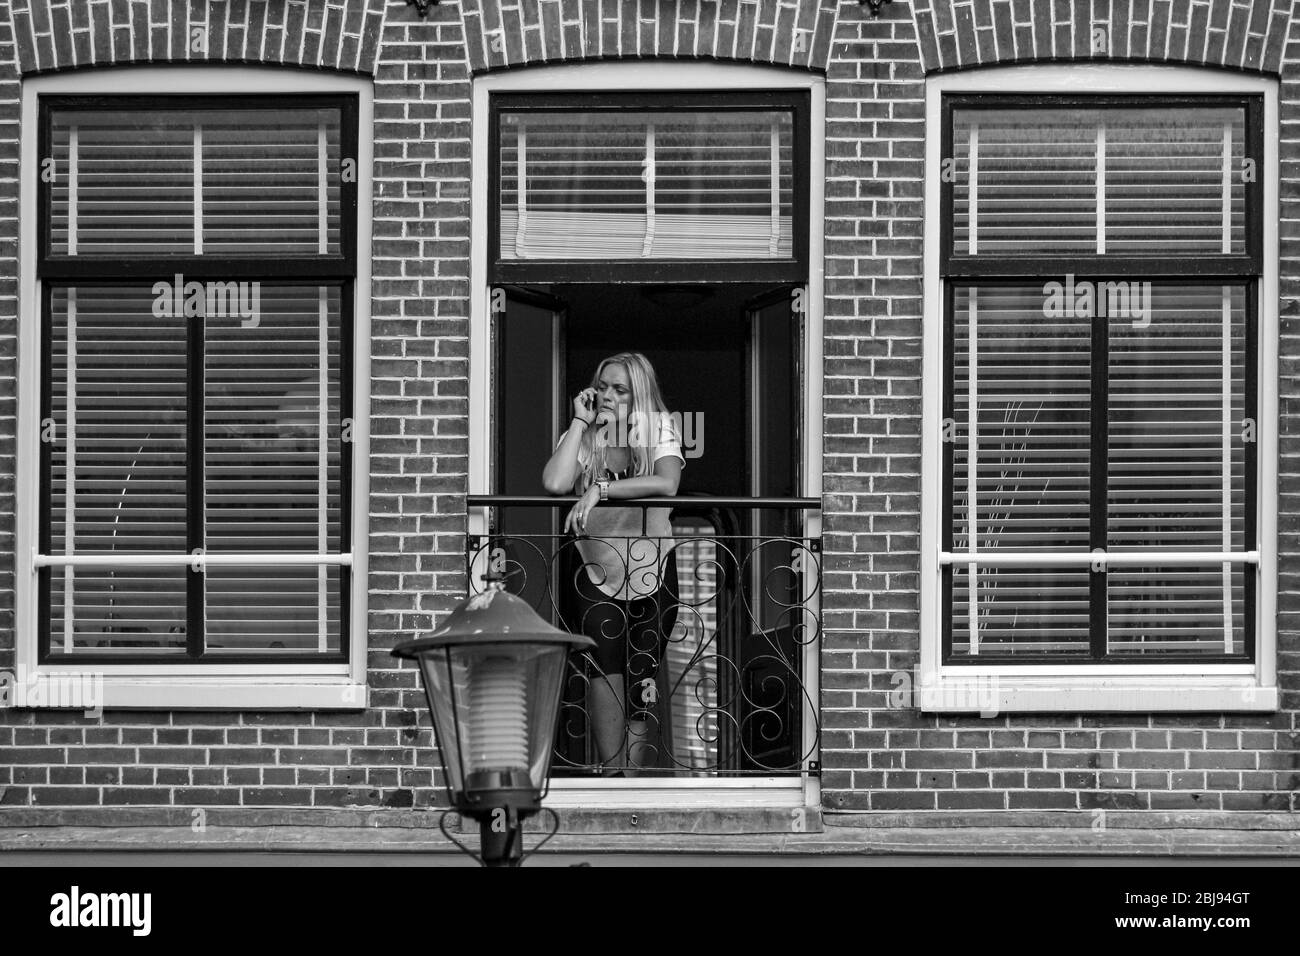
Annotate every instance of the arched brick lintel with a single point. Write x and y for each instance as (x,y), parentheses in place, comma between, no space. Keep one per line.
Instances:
(336,35)
(511,33)
(1234,34)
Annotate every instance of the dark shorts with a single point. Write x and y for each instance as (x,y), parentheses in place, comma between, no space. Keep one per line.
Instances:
(631,636)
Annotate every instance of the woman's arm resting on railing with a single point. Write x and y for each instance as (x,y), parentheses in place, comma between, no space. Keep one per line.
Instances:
(663,483)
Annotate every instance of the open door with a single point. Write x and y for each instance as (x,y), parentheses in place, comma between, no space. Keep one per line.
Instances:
(727,359)
(767,656)
(528,338)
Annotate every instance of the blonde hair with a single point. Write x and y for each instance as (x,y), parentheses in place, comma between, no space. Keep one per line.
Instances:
(647,413)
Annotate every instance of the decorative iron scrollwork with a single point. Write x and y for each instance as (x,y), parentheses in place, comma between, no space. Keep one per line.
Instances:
(723,693)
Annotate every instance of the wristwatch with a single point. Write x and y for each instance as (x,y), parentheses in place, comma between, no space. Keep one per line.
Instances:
(603,485)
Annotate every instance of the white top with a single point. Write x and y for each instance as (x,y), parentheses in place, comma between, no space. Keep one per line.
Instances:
(615,540)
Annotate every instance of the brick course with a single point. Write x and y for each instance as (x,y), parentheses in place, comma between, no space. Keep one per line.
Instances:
(874,757)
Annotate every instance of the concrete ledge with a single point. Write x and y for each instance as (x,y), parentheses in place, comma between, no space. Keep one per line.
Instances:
(716,820)
(725,820)
(180,834)
(1085,819)
(122,843)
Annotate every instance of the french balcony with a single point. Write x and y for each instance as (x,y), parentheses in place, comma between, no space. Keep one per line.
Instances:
(726,633)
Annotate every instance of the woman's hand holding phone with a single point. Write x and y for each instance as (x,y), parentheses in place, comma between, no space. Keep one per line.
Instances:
(584,406)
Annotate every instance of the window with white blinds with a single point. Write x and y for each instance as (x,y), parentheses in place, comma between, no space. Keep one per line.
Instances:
(200,182)
(198,281)
(1141,181)
(1100,426)
(637,184)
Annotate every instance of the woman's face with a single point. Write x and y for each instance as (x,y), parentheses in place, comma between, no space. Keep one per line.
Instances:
(613,394)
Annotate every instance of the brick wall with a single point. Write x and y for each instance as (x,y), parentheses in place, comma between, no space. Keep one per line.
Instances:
(68,34)
(1220,33)
(381,757)
(502,33)
(880,758)
(875,757)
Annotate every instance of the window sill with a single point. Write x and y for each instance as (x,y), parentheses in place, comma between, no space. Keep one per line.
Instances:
(639,792)
(991,695)
(93,691)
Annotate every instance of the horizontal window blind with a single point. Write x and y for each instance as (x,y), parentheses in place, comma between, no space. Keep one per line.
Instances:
(646,185)
(1100,436)
(1176,403)
(121,373)
(1177,468)
(1176,432)
(1021,391)
(117,434)
(195,182)
(272,470)
(1115,180)
(196,450)
(272,454)
(116,441)
(272,610)
(119,610)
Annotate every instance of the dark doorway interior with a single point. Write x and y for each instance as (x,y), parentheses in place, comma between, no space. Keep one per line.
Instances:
(722,352)
(727,360)
(696,339)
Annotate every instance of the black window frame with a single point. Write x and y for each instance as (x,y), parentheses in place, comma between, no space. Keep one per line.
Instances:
(338,270)
(1244,270)
(521,272)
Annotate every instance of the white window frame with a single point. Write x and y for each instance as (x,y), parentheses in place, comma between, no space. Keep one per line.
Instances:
(992,689)
(641,77)
(269,686)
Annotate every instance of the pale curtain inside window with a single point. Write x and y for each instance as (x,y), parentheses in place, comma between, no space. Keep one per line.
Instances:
(646,185)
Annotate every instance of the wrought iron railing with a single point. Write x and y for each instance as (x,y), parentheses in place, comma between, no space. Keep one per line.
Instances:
(705,638)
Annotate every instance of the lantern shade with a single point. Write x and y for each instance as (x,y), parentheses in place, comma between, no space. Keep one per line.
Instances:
(494,708)
(492,675)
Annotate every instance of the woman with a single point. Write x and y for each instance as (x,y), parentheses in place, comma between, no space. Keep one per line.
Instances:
(621,443)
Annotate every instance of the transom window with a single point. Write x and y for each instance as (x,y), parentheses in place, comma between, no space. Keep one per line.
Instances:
(1100,260)
(197,259)
(693,187)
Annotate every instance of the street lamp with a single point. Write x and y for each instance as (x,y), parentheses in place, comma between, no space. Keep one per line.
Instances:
(492,674)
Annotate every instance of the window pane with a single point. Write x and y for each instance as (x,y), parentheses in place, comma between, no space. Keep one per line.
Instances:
(1021,611)
(117,467)
(1174,183)
(1023,380)
(1069,181)
(1177,472)
(632,185)
(272,444)
(1025,183)
(273,609)
(105,609)
(123,184)
(117,448)
(1176,610)
(272,458)
(1176,408)
(195,182)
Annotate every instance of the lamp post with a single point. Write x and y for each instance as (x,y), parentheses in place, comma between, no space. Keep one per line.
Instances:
(492,674)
